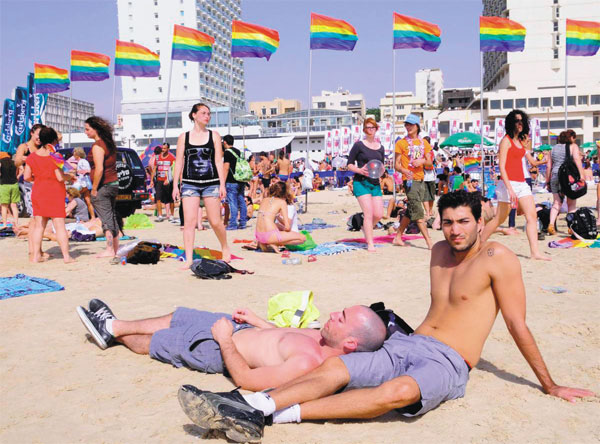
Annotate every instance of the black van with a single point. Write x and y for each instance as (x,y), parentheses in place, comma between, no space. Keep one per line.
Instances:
(132,179)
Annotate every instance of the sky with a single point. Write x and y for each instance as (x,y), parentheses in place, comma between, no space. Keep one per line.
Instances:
(45,31)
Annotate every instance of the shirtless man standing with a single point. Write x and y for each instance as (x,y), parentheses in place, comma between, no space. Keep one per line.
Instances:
(283,166)
(470,282)
(255,353)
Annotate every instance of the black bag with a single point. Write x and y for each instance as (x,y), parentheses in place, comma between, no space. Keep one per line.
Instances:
(144,253)
(570,182)
(392,321)
(543,216)
(80,237)
(355,222)
(582,224)
(214,269)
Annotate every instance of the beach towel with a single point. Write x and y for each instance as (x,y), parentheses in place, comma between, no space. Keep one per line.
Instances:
(333,248)
(567,242)
(311,226)
(387,239)
(122,238)
(6,232)
(138,222)
(175,252)
(21,285)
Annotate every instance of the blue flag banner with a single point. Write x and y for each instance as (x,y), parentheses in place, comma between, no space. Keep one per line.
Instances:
(30,101)
(8,117)
(20,124)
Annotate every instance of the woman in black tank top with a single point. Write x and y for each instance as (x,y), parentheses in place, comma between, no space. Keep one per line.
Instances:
(199,169)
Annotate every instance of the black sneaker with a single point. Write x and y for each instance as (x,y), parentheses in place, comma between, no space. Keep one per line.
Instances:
(226,411)
(96,325)
(101,309)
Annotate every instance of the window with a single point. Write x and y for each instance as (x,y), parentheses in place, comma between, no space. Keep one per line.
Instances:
(156,27)
(159,77)
(521,103)
(160,89)
(181,13)
(156,15)
(560,124)
(155,2)
(131,29)
(495,104)
(571,100)
(321,105)
(533,102)
(596,99)
(546,101)
(157,120)
(184,63)
(264,111)
(130,17)
(558,101)
(185,87)
(273,111)
(555,54)
(343,103)
(555,24)
(158,52)
(135,90)
(508,104)
(557,12)
(582,100)
(157,40)
(557,39)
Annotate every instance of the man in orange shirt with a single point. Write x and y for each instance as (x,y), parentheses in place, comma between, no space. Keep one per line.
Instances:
(412,154)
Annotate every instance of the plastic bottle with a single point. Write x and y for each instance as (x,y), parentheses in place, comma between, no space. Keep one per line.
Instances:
(292,261)
(409,183)
(123,260)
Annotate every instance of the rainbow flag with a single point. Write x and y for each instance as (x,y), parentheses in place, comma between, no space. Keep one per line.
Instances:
(248,40)
(190,44)
(89,66)
(49,79)
(59,161)
(583,38)
(500,34)
(410,32)
(330,33)
(472,164)
(135,60)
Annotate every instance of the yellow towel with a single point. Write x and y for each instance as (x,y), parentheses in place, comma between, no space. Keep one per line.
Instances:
(292,309)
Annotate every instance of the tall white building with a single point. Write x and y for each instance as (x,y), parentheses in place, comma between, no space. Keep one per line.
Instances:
(60,112)
(341,100)
(534,79)
(429,84)
(150,23)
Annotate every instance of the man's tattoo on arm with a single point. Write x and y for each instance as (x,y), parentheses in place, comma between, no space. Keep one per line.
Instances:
(490,252)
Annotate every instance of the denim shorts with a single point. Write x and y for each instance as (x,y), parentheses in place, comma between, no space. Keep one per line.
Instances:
(188,190)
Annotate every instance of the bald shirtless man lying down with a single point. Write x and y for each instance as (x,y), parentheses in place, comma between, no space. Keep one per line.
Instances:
(256,354)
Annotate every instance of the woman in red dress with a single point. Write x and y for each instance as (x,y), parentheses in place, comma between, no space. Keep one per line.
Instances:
(48,194)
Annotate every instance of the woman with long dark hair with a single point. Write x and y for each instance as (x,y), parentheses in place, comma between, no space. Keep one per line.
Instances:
(47,196)
(513,191)
(199,166)
(105,183)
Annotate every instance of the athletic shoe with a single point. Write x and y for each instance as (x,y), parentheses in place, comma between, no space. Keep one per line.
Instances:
(227,411)
(174,220)
(96,325)
(159,219)
(228,228)
(101,309)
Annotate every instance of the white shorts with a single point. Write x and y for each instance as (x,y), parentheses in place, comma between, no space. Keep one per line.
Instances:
(521,189)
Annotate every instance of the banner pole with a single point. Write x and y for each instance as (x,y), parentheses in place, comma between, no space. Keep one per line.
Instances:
(394,116)
(307,164)
(566,87)
(481,122)
(70,112)
(230,93)
(168,99)
(112,116)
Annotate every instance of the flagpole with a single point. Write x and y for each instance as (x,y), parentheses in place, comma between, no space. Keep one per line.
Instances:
(70,112)
(308,122)
(112,116)
(394,114)
(481,122)
(230,93)
(168,99)
(566,87)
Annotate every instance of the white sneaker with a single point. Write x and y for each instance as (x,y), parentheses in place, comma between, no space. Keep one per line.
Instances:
(159,219)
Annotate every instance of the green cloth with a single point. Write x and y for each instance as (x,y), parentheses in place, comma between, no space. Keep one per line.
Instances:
(458,182)
(308,244)
(138,222)
(283,306)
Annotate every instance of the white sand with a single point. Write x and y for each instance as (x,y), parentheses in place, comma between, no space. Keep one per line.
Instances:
(57,387)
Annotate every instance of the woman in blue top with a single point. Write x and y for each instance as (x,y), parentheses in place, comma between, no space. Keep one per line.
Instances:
(367,190)
(199,165)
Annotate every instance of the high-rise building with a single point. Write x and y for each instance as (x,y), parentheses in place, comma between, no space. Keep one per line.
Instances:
(58,116)
(150,23)
(429,84)
(341,100)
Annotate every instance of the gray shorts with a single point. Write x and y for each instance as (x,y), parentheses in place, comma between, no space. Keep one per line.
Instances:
(188,342)
(440,372)
(104,204)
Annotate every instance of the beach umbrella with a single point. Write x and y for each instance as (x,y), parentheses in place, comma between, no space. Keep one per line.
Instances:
(593,153)
(465,140)
(544,148)
(588,145)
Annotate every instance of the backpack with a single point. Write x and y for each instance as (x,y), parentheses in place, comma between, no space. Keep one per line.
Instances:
(392,321)
(569,180)
(355,222)
(144,253)
(214,269)
(243,172)
(582,224)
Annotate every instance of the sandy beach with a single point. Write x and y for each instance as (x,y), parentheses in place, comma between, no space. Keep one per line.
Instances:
(58,387)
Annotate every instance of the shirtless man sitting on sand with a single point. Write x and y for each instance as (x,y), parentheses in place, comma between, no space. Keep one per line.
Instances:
(470,282)
(256,354)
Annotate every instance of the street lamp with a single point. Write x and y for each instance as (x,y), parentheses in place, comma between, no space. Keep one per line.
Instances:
(243,122)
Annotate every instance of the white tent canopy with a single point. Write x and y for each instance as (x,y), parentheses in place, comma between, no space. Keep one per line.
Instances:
(266,144)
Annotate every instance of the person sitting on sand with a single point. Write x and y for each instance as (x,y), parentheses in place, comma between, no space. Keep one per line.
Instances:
(471,281)
(267,234)
(317,183)
(255,353)
(76,208)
